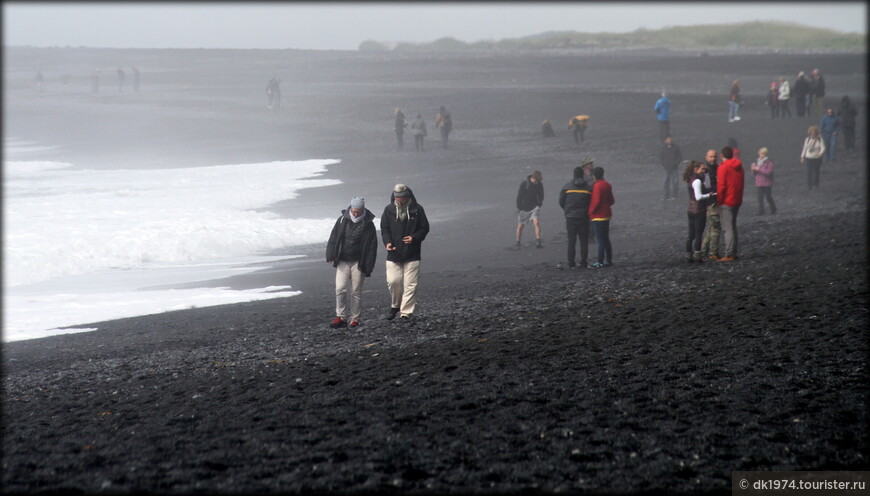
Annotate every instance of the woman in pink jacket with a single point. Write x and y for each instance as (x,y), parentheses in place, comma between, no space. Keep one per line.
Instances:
(762,169)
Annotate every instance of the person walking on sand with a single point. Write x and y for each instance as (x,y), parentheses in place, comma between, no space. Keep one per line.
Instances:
(817,90)
(39,80)
(670,157)
(352,249)
(734,102)
(530,197)
(418,129)
(404,226)
(444,122)
(762,169)
(578,124)
(710,243)
(699,196)
(811,155)
(830,128)
(121,77)
(773,100)
(847,114)
(95,81)
(400,128)
(574,198)
(663,115)
(800,90)
(729,196)
(600,215)
(784,97)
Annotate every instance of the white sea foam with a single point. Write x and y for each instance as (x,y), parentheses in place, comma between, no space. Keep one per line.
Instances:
(80,244)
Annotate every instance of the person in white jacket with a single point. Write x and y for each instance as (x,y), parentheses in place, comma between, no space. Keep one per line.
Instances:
(811,155)
(784,96)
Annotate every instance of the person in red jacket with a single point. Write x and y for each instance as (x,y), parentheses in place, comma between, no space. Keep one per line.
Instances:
(599,217)
(729,197)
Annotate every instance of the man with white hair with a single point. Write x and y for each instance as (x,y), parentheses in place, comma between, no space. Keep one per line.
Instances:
(404,226)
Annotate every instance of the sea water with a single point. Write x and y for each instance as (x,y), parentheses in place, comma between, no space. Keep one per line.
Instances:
(83,245)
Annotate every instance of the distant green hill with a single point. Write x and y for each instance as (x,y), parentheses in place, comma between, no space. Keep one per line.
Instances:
(754,35)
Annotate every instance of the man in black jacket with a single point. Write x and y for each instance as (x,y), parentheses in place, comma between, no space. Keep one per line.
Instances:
(404,226)
(574,199)
(670,157)
(352,249)
(530,197)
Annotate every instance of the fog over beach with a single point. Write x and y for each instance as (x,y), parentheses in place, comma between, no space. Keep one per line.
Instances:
(166,300)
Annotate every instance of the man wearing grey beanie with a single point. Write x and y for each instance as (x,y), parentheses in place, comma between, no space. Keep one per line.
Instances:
(404,226)
(352,249)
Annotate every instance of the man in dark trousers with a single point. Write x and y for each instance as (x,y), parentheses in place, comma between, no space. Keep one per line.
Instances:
(530,197)
(729,196)
(404,226)
(670,157)
(352,249)
(574,199)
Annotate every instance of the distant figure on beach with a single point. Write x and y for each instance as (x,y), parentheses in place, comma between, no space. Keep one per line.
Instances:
(732,142)
(762,169)
(663,114)
(95,81)
(830,128)
(734,102)
(273,93)
(710,244)
(547,129)
(817,90)
(400,128)
(121,76)
(773,100)
(352,249)
(670,157)
(600,215)
(135,79)
(39,81)
(699,197)
(811,155)
(444,122)
(800,90)
(404,226)
(530,197)
(578,124)
(418,129)
(729,196)
(847,114)
(574,198)
(784,97)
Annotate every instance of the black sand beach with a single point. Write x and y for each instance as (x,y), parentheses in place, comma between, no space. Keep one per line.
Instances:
(517,376)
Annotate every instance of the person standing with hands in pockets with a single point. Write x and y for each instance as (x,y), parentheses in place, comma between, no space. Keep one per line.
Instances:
(404,226)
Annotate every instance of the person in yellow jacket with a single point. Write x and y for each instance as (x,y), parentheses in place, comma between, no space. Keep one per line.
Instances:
(578,124)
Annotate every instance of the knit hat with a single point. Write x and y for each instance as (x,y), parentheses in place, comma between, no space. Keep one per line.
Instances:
(357,202)
(401,191)
(587,160)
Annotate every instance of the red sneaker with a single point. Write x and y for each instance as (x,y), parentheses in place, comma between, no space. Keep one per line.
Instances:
(338,322)
(354,323)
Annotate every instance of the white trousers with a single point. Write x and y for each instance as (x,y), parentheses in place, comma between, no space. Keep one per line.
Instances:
(348,275)
(402,282)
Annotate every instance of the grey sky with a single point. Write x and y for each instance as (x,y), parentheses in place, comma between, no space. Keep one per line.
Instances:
(343,26)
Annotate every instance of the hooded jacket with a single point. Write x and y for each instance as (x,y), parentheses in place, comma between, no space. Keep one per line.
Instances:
(729,183)
(574,199)
(663,109)
(368,241)
(847,113)
(602,199)
(393,230)
(530,195)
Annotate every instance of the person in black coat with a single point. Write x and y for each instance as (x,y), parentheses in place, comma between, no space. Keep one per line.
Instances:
(574,198)
(352,249)
(404,227)
(800,89)
(848,113)
(530,197)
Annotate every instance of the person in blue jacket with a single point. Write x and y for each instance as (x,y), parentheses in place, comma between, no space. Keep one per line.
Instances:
(830,126)
(663,114)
